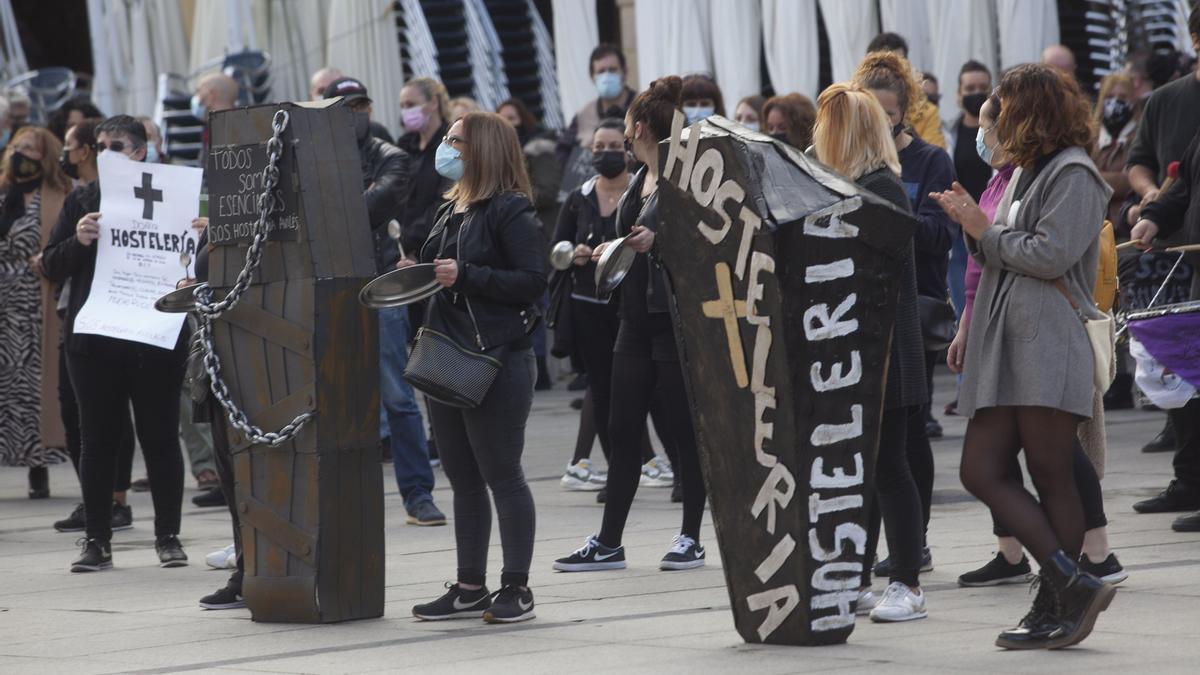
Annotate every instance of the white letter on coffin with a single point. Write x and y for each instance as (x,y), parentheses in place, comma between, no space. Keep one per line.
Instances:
(729,190)
(834,227)
(815,274)
(821,580)
(818,507)
(712,163)
(677,152)
(819,480)
(769,600)
(828,434)
(759,262)
(768,495)
(852,531)
(819,324)
(750,223)
(764,396)
(773,562)
(844,617)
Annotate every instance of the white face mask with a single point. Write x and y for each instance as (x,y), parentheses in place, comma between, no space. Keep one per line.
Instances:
(752,126)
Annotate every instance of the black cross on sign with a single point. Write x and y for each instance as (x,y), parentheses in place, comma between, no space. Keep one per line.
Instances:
(148,196)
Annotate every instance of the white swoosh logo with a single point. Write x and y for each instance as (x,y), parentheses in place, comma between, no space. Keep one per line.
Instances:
(460,606)
(600,557)
(524,607)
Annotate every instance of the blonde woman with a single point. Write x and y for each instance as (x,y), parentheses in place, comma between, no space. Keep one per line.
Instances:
(852,135)
(490,259)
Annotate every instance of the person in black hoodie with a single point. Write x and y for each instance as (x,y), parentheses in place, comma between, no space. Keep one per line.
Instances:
(490,258)
(107,374)
(645,358)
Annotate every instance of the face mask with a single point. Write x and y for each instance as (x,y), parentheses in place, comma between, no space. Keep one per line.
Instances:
(609,163)
(414,118)
(1117,114)
(5,138)
(608,85)
(696,113)
(448,162)
(752,126)
(985,153)
(933,98)
(198,109)
(23,168)
(782,138)
(64,161)
(898,129)
(972,103)
(112,154)
(152,156)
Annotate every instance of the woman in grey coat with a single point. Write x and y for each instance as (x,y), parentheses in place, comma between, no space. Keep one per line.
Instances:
(1028,367)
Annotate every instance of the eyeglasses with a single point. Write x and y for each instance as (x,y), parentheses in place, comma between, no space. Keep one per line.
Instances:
(453,140)
(115,146)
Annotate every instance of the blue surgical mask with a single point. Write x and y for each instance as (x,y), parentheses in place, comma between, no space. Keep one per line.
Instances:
(5,138)
(198,109)
(152,155)
(696,113)
(752,126)
(448,162)
(608,85)
(985,153)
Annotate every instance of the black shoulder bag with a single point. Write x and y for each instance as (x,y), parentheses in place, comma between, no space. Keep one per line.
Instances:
(448,362)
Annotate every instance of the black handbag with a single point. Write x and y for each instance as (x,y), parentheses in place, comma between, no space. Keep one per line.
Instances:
(938,322)
(443,364)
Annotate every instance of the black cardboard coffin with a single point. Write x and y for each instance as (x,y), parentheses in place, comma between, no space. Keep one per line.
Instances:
(312,508)
(784,278)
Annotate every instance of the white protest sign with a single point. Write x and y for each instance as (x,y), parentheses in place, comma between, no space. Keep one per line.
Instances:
(145,224)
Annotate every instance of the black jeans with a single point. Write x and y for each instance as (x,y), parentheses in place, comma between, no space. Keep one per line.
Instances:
(109,377)
(70,418)
(480,450)
(898,500)
(595,329)
(1086,480)
(224,462)
(1187,443)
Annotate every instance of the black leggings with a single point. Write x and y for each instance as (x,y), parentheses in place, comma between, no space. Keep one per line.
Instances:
(898,498)
(109,377)
(635,378)
(70,418)
(994,437)
(225,472)
(1086,480)
(481,449)
(585,438)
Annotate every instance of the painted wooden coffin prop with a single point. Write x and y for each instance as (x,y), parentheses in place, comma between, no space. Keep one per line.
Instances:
(298,340)
(784,278)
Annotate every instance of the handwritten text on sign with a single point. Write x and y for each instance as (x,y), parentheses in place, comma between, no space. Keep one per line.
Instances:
(235,182)
(145,225)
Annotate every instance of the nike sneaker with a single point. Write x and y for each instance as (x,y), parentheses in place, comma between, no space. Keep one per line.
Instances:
(510,605)
(685,554)
(592,556)
(457,603)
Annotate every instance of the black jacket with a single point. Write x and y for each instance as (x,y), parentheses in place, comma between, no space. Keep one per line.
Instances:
(1178,208)
(502,266)
(644,290)
(580,222)
(425,189)
(387,171)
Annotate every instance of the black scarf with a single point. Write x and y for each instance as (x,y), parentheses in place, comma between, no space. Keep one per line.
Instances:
(14,203)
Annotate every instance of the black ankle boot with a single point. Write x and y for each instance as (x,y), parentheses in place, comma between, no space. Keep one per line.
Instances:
(39,482)
(1035,630)
(1079,599)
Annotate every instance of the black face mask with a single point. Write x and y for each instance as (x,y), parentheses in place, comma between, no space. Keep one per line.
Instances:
(973,103)
(24,169)
(64,161)
(782,138)
(1117,114)
(933,98)
(609,163)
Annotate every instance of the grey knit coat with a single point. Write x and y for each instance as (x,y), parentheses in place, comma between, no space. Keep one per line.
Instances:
(1028,347)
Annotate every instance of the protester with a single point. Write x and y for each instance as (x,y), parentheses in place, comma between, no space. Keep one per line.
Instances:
(929,85)
(645,357)
(32,189)
(607,70)
(154,142)
(923,114)
(108,373)
(790,119)
(71,113)
(1048,248)
(321,80)
(853,136)
(1060,58)
(491,261)
(701,98)
(424,106)
(462,106)
(924,168)
(748,112)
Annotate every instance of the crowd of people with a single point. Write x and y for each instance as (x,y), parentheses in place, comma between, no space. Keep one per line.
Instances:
(1011,194)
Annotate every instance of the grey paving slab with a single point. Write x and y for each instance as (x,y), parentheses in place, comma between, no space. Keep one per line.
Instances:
(139,618)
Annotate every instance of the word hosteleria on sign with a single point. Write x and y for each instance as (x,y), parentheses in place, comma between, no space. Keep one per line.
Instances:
(784,279)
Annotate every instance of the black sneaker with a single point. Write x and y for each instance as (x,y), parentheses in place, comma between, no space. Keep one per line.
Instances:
(426,514)
(933,429)
(1177,497)
(685,554)
(226,598)
(1188,523)
(602,495)
(1109,570)
(122,517)
(140,485)
(591,557)
(457,603)
(883,568)
(95,556)
(210,497)
(72,523)
(170,551)
(510,605)
(1165,440)
(998,571)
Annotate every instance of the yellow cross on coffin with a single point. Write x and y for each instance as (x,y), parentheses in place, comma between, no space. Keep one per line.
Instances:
(729,309)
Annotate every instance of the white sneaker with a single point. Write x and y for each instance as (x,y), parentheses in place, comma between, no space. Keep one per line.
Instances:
(899,603)
(657,473)
(866,602)
(224,559)
(579,476)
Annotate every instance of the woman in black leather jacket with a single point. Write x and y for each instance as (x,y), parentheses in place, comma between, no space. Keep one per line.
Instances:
(645,358)
(490,257)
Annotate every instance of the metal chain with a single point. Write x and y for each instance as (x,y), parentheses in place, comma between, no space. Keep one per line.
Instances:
(207,310)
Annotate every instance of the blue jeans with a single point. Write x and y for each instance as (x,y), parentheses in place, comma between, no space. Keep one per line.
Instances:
(956,275)
(398,409)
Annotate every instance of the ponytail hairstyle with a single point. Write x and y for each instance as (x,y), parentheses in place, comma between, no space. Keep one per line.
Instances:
(655,108)
(892,72)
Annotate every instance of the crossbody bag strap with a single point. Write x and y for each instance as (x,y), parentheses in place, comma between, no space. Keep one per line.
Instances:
(462,230)
(1062,288)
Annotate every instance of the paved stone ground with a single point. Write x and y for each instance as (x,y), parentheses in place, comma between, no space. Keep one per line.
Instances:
(139,618)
